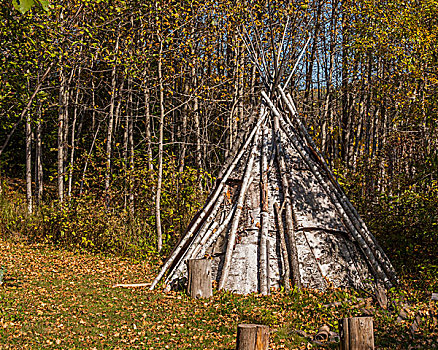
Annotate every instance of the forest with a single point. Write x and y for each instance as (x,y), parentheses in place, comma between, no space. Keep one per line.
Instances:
(117,115)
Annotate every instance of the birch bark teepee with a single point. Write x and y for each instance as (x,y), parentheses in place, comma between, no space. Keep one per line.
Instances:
(277,215)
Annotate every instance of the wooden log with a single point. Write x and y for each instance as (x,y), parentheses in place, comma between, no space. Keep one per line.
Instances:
(252,337)
(434,296)
(356,333)
(199,278)
(268,267)
(323,333)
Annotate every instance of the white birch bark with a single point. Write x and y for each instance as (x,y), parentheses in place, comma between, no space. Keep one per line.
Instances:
(246,181)
(29,165)
(39,183)
(160,150)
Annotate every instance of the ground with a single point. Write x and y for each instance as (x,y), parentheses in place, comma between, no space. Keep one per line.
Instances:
(56,299)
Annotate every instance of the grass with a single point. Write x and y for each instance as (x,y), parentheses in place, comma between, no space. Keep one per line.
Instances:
(56,299)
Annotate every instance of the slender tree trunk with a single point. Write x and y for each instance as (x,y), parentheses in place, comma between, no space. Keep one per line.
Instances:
(73,137)
(29,165)
(196,106)
(130,134)
(93,98)
(61,140)
(345,118)
(308,94)
(148,124)
(38,162)
(160,150)
(125,155)
(131,165)
(183,133)
(109,136)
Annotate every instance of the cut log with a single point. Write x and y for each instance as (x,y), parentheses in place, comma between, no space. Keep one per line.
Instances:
(323,333)
(434,296)
(252,337)
(356,333)
(199,278)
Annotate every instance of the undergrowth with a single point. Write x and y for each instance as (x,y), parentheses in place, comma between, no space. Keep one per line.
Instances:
(98,221)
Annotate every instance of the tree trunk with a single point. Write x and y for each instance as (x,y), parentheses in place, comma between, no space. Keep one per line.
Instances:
(109,135)
(160,150)
(131,153)
(183,131)
(29,165)
(38,162)
(148,124)
(61,136)
(73,137)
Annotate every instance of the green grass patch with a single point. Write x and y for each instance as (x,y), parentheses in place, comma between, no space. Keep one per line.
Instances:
(56,299)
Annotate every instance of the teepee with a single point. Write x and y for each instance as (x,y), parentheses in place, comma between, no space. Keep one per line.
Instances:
(277,217)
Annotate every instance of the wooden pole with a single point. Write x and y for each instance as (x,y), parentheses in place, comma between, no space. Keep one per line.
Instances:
(199,280)
(356,333)
(252,337)
(283,246)
(264,209)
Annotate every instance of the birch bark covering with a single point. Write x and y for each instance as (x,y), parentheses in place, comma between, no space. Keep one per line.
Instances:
(277,217)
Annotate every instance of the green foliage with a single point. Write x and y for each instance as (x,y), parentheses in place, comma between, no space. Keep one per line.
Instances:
(404,215)
(98,221)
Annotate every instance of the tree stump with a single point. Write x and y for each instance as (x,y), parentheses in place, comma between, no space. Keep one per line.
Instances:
(199,281)
(252,337)
(356,333)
